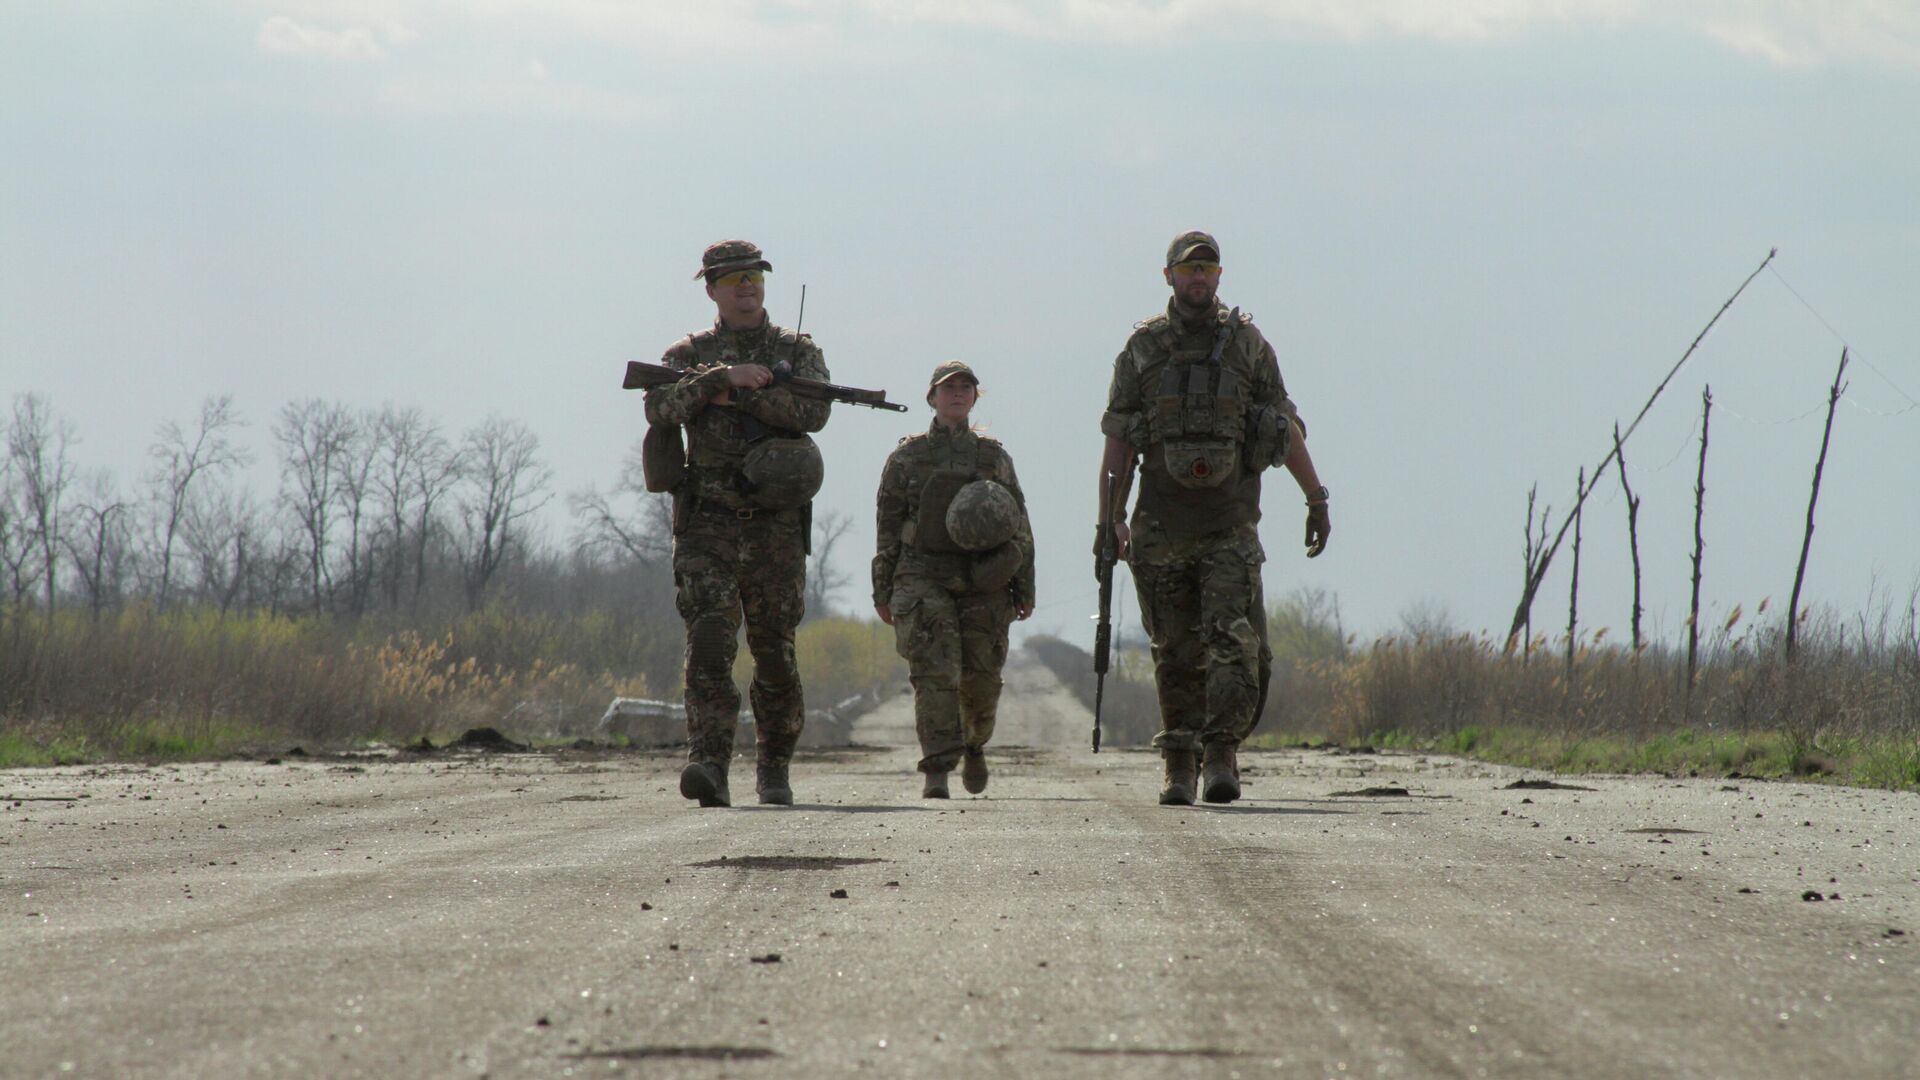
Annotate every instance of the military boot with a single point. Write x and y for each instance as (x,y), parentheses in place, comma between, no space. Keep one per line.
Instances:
(771,782)
(973,770)
(706,781)
(935,786)
(1219,774)
(1178,789)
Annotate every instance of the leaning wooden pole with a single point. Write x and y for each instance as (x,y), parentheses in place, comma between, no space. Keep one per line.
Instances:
(1540,570)
(1573,593)
(1526,565)
(1806,541)
(1699,547)
(1633,536)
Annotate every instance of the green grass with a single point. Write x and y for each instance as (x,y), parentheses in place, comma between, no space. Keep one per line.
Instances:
(1877,762)
(19,752)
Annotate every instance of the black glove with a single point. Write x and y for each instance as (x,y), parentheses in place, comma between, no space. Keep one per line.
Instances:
(1319,526)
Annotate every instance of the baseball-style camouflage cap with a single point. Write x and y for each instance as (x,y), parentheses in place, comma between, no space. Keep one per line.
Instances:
(951,369)
(1187,243)
(728,255)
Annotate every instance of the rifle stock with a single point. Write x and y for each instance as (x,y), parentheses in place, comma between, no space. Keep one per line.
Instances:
(645,376)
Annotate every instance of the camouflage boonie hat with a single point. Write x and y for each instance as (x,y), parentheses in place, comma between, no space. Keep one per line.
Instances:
(728,255)
(982,515)
(1187,243)
(951,369)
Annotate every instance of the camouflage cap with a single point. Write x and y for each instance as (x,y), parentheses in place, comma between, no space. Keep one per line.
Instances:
(951,369)
(1187,243)
(731,255)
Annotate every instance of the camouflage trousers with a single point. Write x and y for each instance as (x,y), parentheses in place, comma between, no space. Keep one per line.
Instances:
(955,644)
(727,571)
(1206,617)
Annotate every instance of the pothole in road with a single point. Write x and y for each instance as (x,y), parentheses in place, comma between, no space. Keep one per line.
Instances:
(782,862)
(1667,832)
(1545,785)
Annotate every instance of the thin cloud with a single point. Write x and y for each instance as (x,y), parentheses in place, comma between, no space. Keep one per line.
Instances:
(1789,33)
(281,34)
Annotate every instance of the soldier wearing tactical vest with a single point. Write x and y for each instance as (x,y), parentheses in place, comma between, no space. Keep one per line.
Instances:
(1198,405)
(741,518)
(952,570)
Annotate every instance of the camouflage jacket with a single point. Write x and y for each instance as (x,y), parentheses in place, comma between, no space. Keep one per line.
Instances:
(718,436)
(903,478)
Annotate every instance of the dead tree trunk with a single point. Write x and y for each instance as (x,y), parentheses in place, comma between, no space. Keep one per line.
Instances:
(1699,548)
(1528,554)
(1806,541)
(1539,571)
(1633,536)
(1573,592)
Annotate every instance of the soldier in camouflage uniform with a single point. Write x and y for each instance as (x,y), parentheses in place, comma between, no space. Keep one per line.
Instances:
(739,548)
(952,570)
(1198,403)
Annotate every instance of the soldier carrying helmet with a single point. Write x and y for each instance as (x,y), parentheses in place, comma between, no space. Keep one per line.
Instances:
(953,568)
(741,519)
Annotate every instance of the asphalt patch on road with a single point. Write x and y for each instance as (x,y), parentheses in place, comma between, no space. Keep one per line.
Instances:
(782,862)
(1667,832)
(1372,793)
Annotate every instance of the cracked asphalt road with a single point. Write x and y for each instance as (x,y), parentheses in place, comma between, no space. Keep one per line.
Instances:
(557,914)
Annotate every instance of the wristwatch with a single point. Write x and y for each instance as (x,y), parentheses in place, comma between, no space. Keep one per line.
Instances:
(1319,496)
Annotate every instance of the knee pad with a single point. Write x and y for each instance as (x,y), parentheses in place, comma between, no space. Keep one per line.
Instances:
(710,643)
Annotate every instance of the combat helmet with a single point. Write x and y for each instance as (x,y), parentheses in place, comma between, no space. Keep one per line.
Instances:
(783,474)
(983,515)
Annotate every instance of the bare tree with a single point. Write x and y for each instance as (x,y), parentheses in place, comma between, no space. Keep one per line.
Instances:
(824,578)
(224,531)
(1633,537)
(353,471)
(1699,547)
(505,482)
(1813,500)
(180,461)
(641,531)
(1573,591)
(37,444)
(313,436)
(414,468)
(100,540)
(16,545)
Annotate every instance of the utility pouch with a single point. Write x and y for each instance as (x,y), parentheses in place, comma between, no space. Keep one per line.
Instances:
(930,526)
(683,504)
(1201,463)
(663,457)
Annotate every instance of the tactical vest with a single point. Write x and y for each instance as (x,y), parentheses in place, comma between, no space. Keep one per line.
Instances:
(720,438)
(1197,397)
(938,477)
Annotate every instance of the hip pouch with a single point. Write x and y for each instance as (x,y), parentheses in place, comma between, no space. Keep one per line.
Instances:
(663,457)
(1201,463)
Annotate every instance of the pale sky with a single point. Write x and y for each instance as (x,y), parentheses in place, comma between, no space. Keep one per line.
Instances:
(1477,233)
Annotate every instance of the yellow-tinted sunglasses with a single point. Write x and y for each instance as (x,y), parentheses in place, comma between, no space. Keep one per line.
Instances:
(1198,266)
(749,277)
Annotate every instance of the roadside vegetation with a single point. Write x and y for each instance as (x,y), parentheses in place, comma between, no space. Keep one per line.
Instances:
(1845,708)
(393,588)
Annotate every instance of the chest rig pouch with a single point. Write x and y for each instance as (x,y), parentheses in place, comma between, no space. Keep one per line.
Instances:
(952,468)
(1199,415)
(728,438)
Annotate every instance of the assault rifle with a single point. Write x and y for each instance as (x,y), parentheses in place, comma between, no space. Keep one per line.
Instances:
(1103,633)
(645,376)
